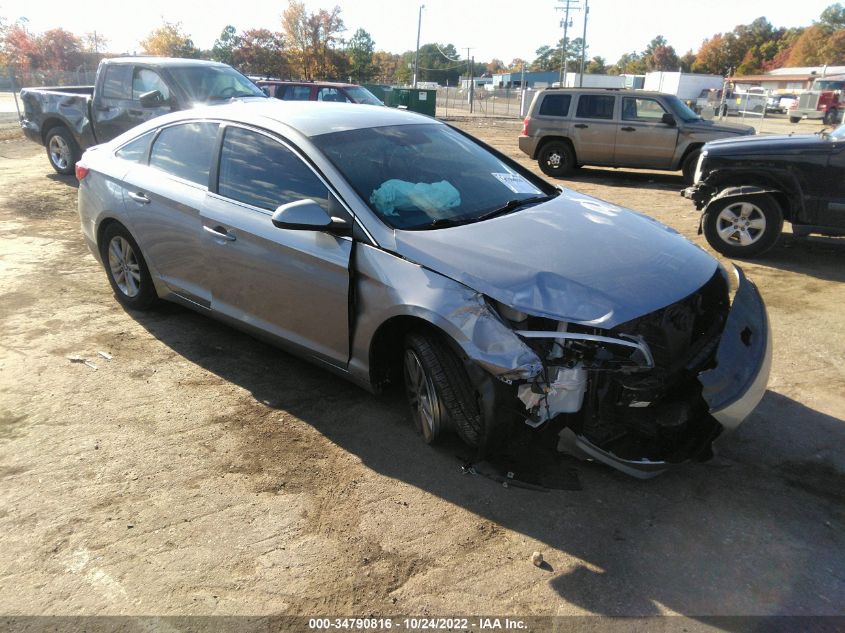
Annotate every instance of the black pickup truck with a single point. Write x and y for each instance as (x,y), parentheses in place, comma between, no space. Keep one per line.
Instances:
(128,91)
(747,187)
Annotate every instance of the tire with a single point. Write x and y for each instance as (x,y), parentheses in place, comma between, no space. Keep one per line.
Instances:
(556,159)
(831,116)
(62,150)
(689,165)
(439,391)
(126,269)
(794,119)
(757,220)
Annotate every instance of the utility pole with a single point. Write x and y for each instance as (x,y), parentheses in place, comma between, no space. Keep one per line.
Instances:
(471,67)
(569,5)
(584,44)
(417,54)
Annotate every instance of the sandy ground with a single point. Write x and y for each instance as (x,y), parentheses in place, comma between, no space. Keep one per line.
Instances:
(202,472)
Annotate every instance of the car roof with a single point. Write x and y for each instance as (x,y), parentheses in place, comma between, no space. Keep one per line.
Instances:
(294,82)
(310,118)
(622,91)
(161,61)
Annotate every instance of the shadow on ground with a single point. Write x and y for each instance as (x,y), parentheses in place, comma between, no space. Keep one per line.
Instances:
(759,530)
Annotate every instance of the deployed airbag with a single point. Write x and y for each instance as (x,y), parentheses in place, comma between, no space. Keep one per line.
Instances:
(433,198)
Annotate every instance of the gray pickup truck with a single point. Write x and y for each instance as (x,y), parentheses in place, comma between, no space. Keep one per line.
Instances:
(128,91)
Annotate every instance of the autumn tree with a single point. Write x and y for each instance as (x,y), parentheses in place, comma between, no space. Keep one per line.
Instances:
(20,48)
(94,42)
(169,40)
(629,64)
(311,40)
(495,66)
(224,44)
(516,65)
(360,50)
(833,17)
(385,66)
(260,52)
(59,50)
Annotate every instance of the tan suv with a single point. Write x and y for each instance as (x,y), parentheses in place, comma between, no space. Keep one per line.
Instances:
(569,127)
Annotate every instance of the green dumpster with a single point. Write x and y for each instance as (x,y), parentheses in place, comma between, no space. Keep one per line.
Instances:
(415,99)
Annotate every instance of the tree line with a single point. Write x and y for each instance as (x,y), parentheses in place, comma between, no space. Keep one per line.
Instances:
(311,45)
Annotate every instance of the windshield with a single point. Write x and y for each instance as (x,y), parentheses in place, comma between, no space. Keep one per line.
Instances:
(362,95)
(839,133)
(204,84)
(680,109)
(428,176)
(828,85)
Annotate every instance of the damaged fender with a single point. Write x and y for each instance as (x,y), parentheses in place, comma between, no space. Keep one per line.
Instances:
(387,286)
(743,359)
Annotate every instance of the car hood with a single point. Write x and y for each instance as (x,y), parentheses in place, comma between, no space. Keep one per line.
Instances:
(767,144)
(573,258)
(705,125)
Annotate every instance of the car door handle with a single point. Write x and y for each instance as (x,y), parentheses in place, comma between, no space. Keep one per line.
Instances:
(582,126)
(139,197)
(629,129)
(219,232)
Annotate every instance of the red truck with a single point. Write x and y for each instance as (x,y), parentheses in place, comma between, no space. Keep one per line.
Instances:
(826,101)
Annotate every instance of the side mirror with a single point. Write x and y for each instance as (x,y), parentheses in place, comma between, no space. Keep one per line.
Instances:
(307,215)
(152,99)
(668,119)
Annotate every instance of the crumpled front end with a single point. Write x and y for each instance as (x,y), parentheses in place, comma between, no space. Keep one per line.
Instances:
(656,390)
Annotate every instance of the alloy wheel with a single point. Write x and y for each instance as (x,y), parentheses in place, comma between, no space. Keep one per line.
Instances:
(59,152)
(425,405)
(124,266)
(741,223)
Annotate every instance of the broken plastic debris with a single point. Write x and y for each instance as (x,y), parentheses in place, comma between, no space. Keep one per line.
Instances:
(537,559)
(76,359)
(90,364)
(434,198)
(105,355)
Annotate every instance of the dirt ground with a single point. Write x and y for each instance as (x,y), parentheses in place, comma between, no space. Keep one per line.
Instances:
(200,472)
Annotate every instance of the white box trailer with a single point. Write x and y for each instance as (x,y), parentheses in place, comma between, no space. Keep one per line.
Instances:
(685,86)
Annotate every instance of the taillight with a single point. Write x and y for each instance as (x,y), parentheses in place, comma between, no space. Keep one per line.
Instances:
(525,126)
(81,171)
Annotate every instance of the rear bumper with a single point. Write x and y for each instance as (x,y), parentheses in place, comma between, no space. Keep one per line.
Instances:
(528,144)
(31,131)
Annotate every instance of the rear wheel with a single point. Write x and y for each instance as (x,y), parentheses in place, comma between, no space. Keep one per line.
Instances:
(794,119)
(556,158)
(439,391)
(746,226)
(61,150)
(126,269)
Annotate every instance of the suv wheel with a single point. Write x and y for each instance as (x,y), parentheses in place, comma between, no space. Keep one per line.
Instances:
(556,158)
(746,226)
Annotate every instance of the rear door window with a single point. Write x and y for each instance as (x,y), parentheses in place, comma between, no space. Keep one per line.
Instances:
(555,105)
(595,107)
(295,93)
(136,151)
(262,172)
(185,150)
(117,81)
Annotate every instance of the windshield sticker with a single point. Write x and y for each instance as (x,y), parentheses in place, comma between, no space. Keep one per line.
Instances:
(516,183)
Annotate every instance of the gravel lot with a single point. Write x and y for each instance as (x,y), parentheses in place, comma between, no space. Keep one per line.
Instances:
(200,472)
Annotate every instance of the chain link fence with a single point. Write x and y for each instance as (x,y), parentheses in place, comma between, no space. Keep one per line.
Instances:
(13,79)
(503,102)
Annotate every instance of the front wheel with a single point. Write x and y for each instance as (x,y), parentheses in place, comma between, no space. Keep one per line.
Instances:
(743,227)
(794,119)
(61,150)
(556,159)
(439,391)
(688,168)
(126,269)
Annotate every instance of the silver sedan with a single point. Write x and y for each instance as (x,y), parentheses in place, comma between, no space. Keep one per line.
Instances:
(391,248)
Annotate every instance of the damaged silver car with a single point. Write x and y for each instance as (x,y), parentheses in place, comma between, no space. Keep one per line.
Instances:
(393,249)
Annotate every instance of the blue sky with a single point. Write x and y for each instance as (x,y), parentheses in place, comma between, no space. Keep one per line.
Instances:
(500,28)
